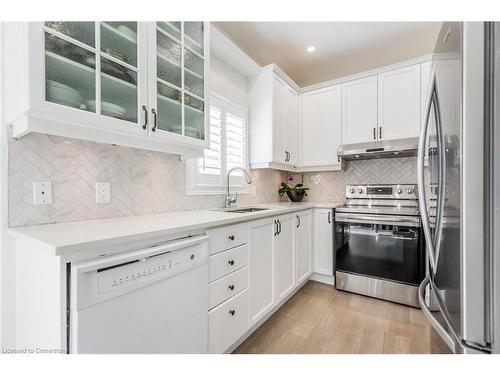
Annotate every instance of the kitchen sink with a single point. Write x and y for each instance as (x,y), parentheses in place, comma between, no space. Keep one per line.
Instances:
(245,209)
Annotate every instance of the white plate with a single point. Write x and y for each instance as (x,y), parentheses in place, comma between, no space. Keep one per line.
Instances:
(63,94)
(109,109)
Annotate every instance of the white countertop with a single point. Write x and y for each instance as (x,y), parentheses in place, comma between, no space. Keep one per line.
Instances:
(66,238)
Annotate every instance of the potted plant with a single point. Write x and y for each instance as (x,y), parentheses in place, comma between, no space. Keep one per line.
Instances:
(294,192)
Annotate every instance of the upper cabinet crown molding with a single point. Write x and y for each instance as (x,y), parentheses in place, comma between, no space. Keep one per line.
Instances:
(137,84)
(386,68)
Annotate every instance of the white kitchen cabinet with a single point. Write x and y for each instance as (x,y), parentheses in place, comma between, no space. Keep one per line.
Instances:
(284,256)
(399,103)
(291,125)
(359,110)
(261,268)
(303,245)
(135,84)
(273,122)
(323,241)
(227,323)
(321,127)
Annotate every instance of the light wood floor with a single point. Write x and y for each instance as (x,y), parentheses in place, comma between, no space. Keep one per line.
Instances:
(320,319)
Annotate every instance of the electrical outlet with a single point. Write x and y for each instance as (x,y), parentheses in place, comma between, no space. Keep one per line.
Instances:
(42,192)
(102,192)
(253,191)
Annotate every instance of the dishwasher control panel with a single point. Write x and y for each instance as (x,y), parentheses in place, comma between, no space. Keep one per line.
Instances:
(138,271)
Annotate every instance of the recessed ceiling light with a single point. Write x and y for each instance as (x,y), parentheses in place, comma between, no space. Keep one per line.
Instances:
(311,49)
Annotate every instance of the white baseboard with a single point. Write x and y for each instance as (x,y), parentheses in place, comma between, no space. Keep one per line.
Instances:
(325,279)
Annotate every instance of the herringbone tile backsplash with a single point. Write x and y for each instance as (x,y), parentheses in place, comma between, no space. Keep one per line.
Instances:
(142,182)
(145,182)
(330,186)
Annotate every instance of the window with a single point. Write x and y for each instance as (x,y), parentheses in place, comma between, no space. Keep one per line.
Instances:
(228,149)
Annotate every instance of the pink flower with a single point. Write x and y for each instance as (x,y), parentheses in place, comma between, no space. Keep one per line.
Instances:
(289,178)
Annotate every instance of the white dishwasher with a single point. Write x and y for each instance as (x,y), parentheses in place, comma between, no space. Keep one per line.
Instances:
(153,300)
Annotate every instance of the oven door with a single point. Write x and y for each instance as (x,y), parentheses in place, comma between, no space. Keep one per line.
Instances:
(384,247)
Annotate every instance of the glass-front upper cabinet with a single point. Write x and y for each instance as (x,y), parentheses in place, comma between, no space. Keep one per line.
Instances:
(98,67)
(178,74)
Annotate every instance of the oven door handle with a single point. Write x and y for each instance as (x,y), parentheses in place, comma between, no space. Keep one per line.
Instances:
(377,219)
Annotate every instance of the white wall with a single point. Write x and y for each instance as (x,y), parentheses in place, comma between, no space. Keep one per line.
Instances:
(7,262)
(226,81)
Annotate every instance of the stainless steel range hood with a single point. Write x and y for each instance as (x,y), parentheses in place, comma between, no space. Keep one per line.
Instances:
(379,149)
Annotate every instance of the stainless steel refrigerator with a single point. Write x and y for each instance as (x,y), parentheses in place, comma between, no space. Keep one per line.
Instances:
(458,186)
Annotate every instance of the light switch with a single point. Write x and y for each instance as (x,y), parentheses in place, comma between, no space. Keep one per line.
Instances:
(102,192)
(42,192)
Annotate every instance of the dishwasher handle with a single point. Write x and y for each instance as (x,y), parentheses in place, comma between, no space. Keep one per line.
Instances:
(140,255)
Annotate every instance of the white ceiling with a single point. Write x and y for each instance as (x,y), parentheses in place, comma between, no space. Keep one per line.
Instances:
(342,48)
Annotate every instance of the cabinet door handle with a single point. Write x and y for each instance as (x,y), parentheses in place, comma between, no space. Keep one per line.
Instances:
(231,287)
(232,312)
(145,125)
(329,217)
(231,237)
(275,228)
(375,133)
(155,120)
(298,221)
(231,262)
(279,227)
(379,132)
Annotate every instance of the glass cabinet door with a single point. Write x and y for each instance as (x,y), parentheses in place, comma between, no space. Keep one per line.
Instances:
(94,67)
(119,68)
(70,63)
(180,77)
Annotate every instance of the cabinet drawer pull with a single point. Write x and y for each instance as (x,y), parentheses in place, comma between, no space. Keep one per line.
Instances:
(145,125)
(231,287)
(155,120)
(298,221)
(329,217)
(232,312)
(231,237)
(231,262)
(375,133)
(379,132)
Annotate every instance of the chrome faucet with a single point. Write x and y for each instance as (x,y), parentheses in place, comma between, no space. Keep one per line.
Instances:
(230,199)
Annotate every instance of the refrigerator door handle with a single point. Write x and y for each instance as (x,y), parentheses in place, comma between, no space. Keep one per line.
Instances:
(441,174)
(420,174)
(440,330)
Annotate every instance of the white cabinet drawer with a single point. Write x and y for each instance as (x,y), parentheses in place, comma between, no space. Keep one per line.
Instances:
(227,237)
(230,285)
(227,323)
(229,261)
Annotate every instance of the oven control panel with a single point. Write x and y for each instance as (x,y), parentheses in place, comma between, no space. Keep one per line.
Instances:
(406,191)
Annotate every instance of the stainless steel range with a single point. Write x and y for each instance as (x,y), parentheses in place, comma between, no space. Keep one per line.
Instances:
(378,243)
